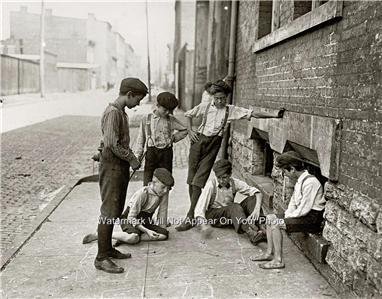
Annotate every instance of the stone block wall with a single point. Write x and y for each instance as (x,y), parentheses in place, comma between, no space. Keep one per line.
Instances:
(331,71)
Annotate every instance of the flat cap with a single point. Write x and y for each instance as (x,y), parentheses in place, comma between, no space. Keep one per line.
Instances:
(134,85)
(167,100)
(288,158)
(222,166)
(163,175)
(220,86)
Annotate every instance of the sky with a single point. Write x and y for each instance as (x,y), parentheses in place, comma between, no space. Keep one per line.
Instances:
(126,17)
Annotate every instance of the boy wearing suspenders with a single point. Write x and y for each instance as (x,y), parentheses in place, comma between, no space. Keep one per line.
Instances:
(217,207)
(304,213)
(205,143)
(156,136)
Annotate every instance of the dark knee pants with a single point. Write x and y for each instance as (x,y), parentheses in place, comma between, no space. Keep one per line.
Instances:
(145,219)
(156,158)
(232,215)
(201,159)
(113,182)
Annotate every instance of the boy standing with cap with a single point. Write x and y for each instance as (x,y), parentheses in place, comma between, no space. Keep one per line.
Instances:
(115,160)
(137,220)
(205,143)
(157,135)
(304,213)
(217,206)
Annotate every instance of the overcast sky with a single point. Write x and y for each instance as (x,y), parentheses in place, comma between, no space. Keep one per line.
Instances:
(126,17)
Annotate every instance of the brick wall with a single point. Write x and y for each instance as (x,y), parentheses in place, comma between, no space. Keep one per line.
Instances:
(332,71)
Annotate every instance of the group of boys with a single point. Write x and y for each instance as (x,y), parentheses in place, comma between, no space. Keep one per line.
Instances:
(211,203)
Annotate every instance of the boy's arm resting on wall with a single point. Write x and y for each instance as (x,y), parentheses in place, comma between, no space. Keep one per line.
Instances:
(278,114)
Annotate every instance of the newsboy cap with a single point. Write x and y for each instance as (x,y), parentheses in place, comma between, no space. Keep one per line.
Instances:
(134,85)
(167,100)
(222,166)
(163,175)
(290,158)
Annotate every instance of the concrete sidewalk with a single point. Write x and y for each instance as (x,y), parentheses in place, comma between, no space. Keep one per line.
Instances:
(55,264)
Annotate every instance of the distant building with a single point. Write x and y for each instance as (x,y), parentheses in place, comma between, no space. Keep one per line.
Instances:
(85,48)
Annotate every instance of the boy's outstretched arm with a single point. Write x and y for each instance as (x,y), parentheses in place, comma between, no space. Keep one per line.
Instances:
(279,114)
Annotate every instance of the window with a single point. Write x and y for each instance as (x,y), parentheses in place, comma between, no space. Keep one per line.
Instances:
(306,15)
(265,18)
(301,7)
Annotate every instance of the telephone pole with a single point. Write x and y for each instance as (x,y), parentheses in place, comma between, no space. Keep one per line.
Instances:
(42,46)
(148,50)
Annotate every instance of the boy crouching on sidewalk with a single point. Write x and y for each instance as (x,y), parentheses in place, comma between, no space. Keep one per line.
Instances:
(205,143)
(137,220)
(217,205)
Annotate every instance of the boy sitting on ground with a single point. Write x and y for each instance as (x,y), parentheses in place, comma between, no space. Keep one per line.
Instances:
(304,213)
(137,220)
(216,204)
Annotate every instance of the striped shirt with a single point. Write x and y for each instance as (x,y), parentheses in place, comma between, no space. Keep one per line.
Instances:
(116,137)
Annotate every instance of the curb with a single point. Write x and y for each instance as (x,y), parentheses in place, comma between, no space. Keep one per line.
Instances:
(20,240)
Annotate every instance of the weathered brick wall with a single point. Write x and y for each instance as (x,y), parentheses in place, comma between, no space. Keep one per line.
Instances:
(332,71)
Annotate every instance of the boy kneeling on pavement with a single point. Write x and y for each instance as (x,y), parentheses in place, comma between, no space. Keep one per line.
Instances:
(216,204)
(137,220)
(304,213)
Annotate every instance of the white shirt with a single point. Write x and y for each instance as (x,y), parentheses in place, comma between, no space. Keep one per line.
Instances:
(215,117)
(224,196)
(307,196)
(145,200)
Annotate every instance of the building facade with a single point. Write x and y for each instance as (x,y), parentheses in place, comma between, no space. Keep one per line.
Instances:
(98,56)
(321,61)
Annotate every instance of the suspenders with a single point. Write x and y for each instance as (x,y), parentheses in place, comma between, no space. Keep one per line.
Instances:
(303,181)
(223,123)
(148,128)
(215,193)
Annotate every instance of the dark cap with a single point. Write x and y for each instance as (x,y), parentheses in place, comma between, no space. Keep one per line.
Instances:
(222,166)
(133,84)
(220,86)
(288,159)
(167,100)
(163,175)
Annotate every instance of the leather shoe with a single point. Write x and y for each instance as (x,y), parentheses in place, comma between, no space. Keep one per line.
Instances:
(116,254)
(257,237)
(185,225)
(108,266)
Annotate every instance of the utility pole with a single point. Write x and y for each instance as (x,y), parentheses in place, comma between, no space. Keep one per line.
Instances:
(148,50)
(42,46)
